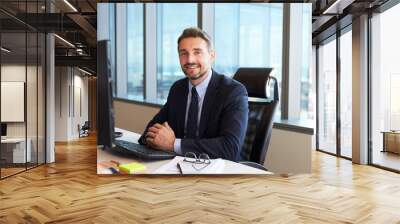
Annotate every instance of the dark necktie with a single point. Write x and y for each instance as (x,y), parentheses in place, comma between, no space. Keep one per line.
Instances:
(191,125)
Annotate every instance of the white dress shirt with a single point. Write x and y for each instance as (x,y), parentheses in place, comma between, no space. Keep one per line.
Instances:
(201,89)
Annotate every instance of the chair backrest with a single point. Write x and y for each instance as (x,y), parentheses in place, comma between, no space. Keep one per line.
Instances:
(86,125)
(262,106)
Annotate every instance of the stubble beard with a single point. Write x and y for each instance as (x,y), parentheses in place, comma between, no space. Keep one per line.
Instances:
(197,76)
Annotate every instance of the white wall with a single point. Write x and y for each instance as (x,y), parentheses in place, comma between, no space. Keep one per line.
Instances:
(50,94)
(12,73)
(80,109)
(71,102)
(61,103)
(360,90)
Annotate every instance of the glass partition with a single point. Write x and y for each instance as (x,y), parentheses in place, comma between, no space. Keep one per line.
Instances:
(22,64)
(13,107)
(327,97)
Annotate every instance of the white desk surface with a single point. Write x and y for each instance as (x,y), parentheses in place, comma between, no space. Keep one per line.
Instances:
(152,167)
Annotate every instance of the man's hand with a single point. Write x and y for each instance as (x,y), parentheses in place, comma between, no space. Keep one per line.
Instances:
(161,137)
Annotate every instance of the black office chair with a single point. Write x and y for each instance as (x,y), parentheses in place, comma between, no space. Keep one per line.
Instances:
(262,106)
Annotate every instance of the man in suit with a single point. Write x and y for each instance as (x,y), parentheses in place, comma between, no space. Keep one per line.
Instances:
(205,112)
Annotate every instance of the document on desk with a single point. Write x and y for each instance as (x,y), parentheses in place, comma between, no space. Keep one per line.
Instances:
(216,166)
(178,166)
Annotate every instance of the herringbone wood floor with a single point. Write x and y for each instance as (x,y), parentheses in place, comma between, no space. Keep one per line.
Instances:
(69,191)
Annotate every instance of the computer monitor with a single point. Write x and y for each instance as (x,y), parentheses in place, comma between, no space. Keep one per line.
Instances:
(105,109)
(3,129)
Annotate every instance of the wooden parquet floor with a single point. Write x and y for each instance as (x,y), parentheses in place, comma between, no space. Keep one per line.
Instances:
(70,191)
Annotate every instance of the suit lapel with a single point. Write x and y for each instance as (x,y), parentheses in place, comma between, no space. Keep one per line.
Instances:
(181,109)
(209,98)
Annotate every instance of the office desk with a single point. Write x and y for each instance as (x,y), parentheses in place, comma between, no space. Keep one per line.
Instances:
(391,141)
(13,150)
(153,167)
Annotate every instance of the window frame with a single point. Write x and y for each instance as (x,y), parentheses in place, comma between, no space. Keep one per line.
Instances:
(334,37)
(205,21)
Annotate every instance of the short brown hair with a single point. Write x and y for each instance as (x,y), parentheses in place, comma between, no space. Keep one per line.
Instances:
(196,32)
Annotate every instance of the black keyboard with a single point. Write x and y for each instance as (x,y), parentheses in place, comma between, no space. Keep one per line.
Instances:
(141,151)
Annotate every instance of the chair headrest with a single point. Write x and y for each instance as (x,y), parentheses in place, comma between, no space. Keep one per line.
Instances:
(255,80)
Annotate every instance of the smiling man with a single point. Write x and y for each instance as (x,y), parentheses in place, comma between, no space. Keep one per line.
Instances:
(205,112)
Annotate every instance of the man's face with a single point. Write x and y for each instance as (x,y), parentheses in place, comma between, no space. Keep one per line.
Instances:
(195,58)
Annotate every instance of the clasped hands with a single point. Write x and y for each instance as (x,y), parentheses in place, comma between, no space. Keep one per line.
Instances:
(161,137)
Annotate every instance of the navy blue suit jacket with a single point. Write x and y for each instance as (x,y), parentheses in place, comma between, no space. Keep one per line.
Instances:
(223,120)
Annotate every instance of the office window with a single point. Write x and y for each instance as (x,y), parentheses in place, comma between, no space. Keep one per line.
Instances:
(172,19)
(327,96)
(135,51)
(242,41)
(385,87)
(346,94)
(307,80)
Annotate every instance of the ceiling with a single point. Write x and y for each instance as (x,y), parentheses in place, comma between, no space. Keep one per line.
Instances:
(332,15)
(76,22)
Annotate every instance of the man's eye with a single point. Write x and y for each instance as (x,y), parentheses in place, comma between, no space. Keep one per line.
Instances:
(183,54)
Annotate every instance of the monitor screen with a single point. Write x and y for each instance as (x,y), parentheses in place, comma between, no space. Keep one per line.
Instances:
(3,129)
(105,113)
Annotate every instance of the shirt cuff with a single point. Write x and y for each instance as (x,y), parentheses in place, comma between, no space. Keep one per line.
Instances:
(177,146)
